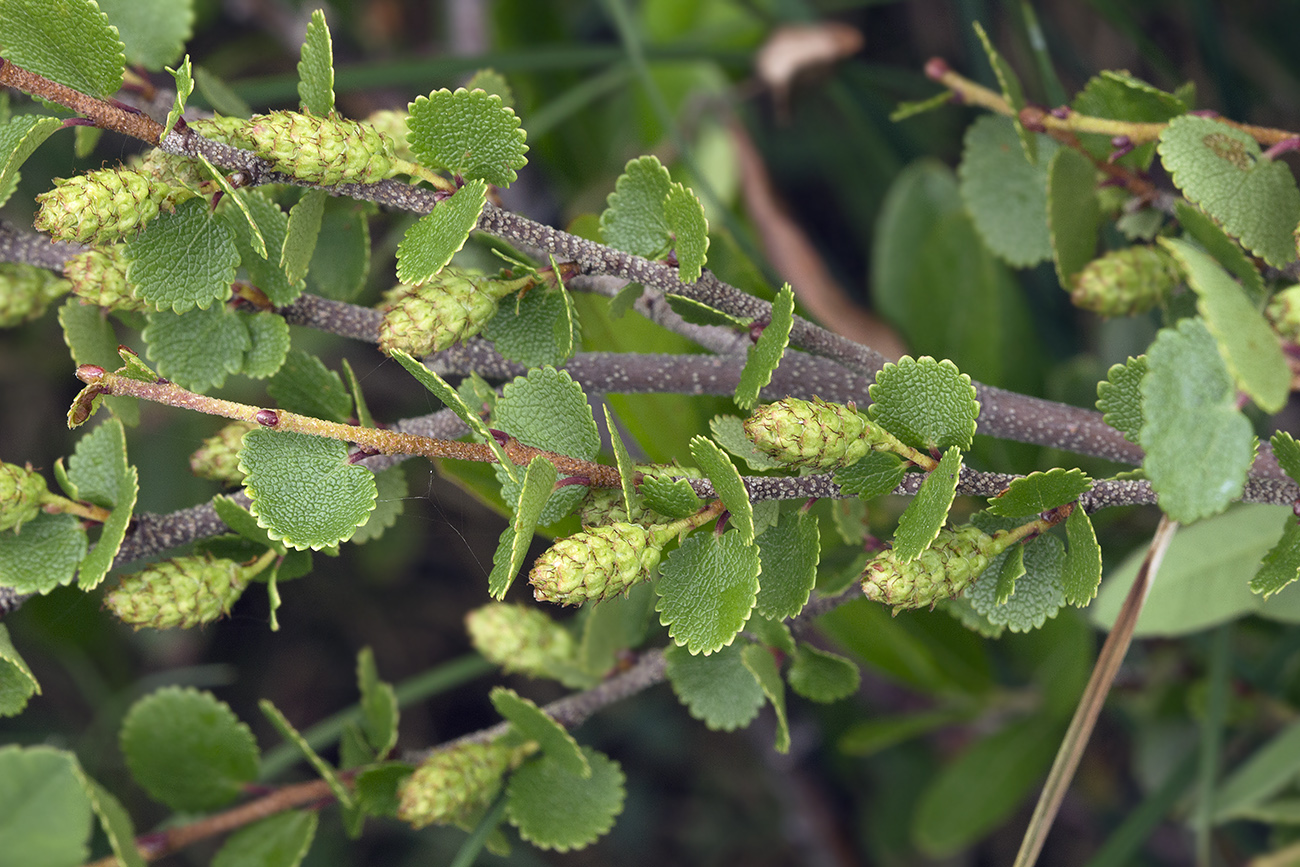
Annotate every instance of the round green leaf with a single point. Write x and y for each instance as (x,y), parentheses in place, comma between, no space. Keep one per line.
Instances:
(1073,213)
(184,259)
(1038,492)
(789,552)
(439,234)
(268,336)
(672,497)
(470,133)
(1039,592)
(875,474)
(1081,573)
(1201,228)
(766,353)
(536,725)
(634,220)
(19,139)
(689,229)
(17,683)
(276,841)
(44,555)
(716,689)
(921,521)
(188,749)
(707,589)
(1117,95)
(69,41)
(556,809)
(524,328)
(1221,169)
(1005,194)
(198,348)
(304,490)
(821,676)
(727,483)
(44,810)
(928,404)
(1120,397)
(1281,564)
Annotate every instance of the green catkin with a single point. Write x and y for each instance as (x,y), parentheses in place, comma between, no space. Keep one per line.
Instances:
(99,277)
(322,150)
(26,292)
(519,639)
(1284,312)
(594,564)
(1125,282)
(451,306)
(21,490)
(814,433)
(103,207)
(455,782)
(218,458)
(178,593)
(942,571)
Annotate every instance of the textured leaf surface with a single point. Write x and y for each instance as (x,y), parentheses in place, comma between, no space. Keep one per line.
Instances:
(304,385)
(1287,452)
(44,812)
(1220,169)
(729,432)
(188,749)
(623,460)
(727,483)
(1119,397)
(1038,492)
(718,689)
(1117,95)
(439,234)
(539,481)
(921,521)
(1205,576)
(390,501)
(1281,564)
(762,665)
(1012,91)
(276,841)
(17,683)
(1246,341)
(1202,229)
(1005,194)
(1081,574)
(1198,445)
(707,589)
(44,555)
(184,76)
(261,252)
(1073,214)
(103,476)
(694,312)
(634,220)
(535,725)
(453,401)
(927,404)
(532,329)
(674,498)
(876,474)
(304,491)
(69,41)
(1039,592)
(470,133)
(766,353)
(789,553)
(154,32)
(184,259)
(316,67)
(690,231)
(19,139)
(590,803)
(822,676)
(379,713)
(268,344)
(293,736)
(301,234)
(199,348)
(547,409)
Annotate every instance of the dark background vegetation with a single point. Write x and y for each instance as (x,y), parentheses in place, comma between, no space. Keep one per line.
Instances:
(695,797)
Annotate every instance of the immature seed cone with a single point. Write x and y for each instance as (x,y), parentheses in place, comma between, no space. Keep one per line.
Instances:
(453,305)
(942,571)
(1284,312)
(454,782)
(593,564)
(519,639)
(182,592)
(26,292)
(99,277)
(103,207)
(218,458)
(813,433)
(322,150)
(1125,282)
(21,489)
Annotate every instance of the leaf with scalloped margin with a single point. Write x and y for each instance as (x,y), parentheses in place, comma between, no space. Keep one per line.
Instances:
(153,32)
(1117,95)
(379,712)
(717,689)
(1202,229)
(1246,341)
(927,404)
(469,133)
(512,548)
(536,725)
(17,683)
(184,259)
(316,67)
(1119,397)
(921,521)
(71,43)
(633,220)
(762,665)
(438,235)
(789,552)
(1011,91)
(589,804)
(19,139)
(199,348)
(281,840)
(184,76)
(268,336)
(690,231)
(1199,445)
(548,410)
(626,466)
(707,589)
(390,501)
(1073,213)
(1081,574)
(727,484)
(100,472)
(532,328)
(261,255)
(1287,452)
(1039,593)
(1281,565)
(1221,169)
(766,353)
(1038,492)
(113,820)
(45,816)
(301,234)
(44,555)
(672,497)
(822,676)
(304,385)
(341,260)
(188,749)
(1005,194)
(1011,571)
(291,735)
(877,473)
(304,490)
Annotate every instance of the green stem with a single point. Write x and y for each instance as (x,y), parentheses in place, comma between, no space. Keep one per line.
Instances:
(415,170)
(52,502)
(469,850)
